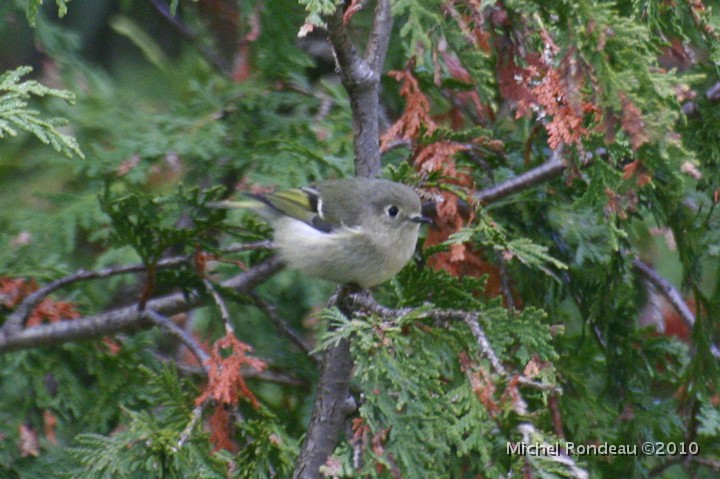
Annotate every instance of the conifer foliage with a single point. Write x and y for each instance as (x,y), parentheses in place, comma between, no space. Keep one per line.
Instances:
(560,320)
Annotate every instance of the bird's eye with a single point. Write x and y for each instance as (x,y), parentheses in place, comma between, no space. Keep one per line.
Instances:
(393,211)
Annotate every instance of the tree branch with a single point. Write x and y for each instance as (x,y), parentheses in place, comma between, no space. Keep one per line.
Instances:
(283,328)
(379,37)
(129,317)
(666,289)
(185,338)
(672,295)
(551,169)
(331,402)
(361,78)
(367,302)
(16,320)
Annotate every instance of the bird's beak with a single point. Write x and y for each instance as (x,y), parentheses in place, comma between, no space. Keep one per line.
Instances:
(422,219)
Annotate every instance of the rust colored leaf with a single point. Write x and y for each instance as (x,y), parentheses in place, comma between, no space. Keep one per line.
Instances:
(354,7)
(28,443)
(225,380)
(512,395)
(113,346)
(51,311)
(690,169)
(332,467)
(484,390)
(220,430)
(629,169)
(637,169)
(50,422)
(14,290)
(360,428)
(632,122)
(417,110)
(535,366)
(128,165)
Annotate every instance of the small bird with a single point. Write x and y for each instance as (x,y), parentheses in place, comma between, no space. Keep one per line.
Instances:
(352,231)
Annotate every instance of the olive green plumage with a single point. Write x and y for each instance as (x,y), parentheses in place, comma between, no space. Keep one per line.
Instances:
(356,230)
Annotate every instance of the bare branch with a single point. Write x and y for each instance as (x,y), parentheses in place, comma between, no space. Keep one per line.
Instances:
(556,165)
(367,302)
(127,318)
(184,337)
(331,402)
(21,313)
(666,289)
(472,321)
(379,37)
(552,169)
(672,295)
(361,78)
(283,328)
(17,318)
(530,435)
(220,303)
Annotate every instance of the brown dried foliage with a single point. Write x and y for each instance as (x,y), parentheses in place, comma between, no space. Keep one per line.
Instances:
(558,94)
(354,7)
(225,380)
(220,430)
(481,383)
(226,385)
(417,110)
(438,157)
(14,290)
(632,122)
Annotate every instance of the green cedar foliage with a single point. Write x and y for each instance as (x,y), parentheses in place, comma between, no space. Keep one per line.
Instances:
(14,112)
(164,133)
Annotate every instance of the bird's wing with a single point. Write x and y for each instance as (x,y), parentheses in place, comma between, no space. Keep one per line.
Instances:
(302,204)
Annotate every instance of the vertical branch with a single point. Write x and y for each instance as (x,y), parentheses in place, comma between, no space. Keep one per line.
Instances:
(331,402)
(361,78)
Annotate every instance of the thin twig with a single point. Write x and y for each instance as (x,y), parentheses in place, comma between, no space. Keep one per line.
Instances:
(505,286)
(194,419)
(666,289)
(530,436)
(220,303)
(266,375)
(472,321)
(191,36)
(672,295)
(551,169)
(283,328)
(471,318)
(189,342)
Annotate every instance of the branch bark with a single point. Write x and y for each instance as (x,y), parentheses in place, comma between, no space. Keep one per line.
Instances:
(552,169)
(127,318)
(16,320)
(189,342)
(361,78)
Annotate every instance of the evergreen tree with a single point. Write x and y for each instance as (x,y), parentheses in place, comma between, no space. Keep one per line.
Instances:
(561,319)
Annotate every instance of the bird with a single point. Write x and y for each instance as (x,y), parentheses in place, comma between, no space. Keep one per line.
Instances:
(354,231)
